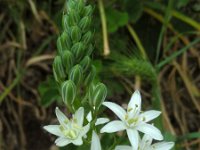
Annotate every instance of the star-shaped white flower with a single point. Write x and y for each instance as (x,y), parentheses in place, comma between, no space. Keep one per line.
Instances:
(133,120)
(69,131)
(146,144)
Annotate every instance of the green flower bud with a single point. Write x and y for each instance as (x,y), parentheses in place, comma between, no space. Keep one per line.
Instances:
(85,23)
(71,4)
(88,10)
(78,51)
(69,22)
(89,49)
(66,41)
(80,6)
(87,37)
(85,63)
(68,92)
(58,69)
(59,46)
(90,76)
(68,60)
(75,33)
(64,21)
(98,95)
(74,16)
(76,74)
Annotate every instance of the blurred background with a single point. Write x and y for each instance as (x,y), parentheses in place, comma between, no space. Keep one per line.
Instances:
(151,45)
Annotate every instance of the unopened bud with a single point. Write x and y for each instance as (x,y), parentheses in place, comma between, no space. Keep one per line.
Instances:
(68,92)
(76,74)
(78,50)
(68,60)
(99,95)
(85,23)
(58,69)
(89,49)
(89,78)
(87,37)
(88,10)
(85,63)
(75,33)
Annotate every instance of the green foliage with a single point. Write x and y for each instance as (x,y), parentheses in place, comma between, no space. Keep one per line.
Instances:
(134,9)
(130,65)
(49,92)
(116,19)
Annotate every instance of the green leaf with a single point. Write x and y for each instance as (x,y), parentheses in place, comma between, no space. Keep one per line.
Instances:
(49,97)
(48,91)
(181,3)
(116,19)
(134,9)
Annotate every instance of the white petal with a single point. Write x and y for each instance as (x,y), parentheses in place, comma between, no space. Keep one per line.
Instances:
(163,145)
(123,147)
(53,129)
(85,130)
(146,141)
(61,117)
(101,121)
(62,141)
(135,101)
(95,145)
(77,141)
(89,116)
(79,114)
(133,138)
(118,110)
(113,126)
(151,131)
(150,115)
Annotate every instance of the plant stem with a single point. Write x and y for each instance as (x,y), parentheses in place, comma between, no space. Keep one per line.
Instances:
(137,41)
(7,90)
(106,51)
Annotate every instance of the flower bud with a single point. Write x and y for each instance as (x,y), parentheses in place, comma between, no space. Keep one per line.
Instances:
(64,21)
(89,78)
(58,69)
(98,95)
(74,16)
(59,46)
(69,22)
(68,60)
(76,74)
(78,50)
(68,92)
(75,33)
(85,23)
(71,4)
(88,10)
(89,49)
(66,41)
(87,37)
(80,6)
(85,63)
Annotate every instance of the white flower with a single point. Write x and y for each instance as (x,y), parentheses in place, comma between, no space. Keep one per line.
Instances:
(99,121)
(145,144)
(69,131)
(133,120)
(95,145)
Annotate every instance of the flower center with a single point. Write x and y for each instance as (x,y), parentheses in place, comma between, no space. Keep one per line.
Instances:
(71,130)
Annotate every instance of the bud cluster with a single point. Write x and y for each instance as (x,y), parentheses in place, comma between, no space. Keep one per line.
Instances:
(72,66)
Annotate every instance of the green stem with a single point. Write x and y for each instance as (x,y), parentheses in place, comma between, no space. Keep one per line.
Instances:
(137,41)
(9,88)
(164,27)
(104,28)
(186,19)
